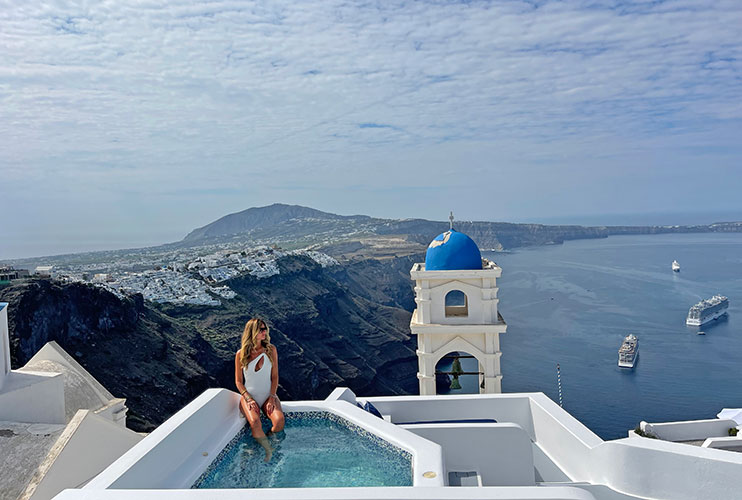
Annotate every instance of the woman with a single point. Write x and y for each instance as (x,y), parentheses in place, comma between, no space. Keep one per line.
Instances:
(256,377)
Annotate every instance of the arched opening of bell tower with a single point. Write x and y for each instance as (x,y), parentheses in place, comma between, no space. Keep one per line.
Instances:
(456,304)
(458,372)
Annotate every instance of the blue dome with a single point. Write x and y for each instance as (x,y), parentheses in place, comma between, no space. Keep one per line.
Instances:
(451,251)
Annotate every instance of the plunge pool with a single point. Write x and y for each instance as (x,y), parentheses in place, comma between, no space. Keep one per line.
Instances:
(316,449)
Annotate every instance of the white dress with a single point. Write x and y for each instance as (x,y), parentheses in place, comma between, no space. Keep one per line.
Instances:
(258,383)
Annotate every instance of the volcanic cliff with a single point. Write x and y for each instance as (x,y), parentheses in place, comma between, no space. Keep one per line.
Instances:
(341,325)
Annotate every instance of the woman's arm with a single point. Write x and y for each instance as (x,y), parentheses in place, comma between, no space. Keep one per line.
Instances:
(274,372)
(238,377)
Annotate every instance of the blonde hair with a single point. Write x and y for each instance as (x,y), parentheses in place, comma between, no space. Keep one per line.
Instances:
(249,342)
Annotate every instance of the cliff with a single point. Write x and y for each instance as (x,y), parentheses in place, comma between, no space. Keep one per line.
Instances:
(134,351)
(331,326)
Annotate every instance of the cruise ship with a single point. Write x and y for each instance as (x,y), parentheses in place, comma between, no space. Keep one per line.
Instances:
(628,352)
(707,310)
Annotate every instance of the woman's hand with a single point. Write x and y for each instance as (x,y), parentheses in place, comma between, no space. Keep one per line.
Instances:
(272,404)
(252,405)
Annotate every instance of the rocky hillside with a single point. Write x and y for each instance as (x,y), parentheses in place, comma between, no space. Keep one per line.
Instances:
(333,233)
(331,326)
(267,219)
(134,351)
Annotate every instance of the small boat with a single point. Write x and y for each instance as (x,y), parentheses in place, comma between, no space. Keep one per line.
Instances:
(676,266)
(701,333)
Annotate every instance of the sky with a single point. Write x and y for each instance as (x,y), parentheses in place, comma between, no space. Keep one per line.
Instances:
(130,123)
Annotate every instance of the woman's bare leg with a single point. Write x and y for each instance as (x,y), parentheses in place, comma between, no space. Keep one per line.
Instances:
(276,415)
(256,427)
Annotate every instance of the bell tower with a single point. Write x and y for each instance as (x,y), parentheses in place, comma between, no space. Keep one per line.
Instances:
(456,297)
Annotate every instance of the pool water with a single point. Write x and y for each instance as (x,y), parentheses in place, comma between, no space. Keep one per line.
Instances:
(316,449)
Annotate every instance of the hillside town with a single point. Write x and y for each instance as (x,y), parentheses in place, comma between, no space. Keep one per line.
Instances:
(194,275)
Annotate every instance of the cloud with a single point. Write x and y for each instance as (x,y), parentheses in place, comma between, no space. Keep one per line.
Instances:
(203,94)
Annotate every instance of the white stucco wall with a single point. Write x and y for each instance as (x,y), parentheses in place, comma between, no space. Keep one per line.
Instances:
(172,456)
(647,468)
(563,438)
(513,408)
(651,468)
(33,397)
(732,443)
(88,445)
(401,493)
(689,430)
(500,453)
(479,311)
(4,344)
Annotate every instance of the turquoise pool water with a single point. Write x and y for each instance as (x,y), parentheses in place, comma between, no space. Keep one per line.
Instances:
(317,449)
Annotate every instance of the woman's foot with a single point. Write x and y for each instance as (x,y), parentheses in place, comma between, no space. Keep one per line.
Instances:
(263,441)
(276,437)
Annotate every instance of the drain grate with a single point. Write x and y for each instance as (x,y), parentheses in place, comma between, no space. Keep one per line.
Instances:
(467,478)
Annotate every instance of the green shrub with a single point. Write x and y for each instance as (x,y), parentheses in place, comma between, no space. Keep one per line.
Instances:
(638,430)
(733,431)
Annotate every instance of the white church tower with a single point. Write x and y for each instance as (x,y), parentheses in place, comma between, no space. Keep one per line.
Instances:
(456,296)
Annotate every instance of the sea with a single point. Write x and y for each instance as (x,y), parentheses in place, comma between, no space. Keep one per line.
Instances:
(573,304)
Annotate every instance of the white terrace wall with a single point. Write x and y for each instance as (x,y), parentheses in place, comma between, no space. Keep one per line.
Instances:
(398,493)
(562,437)
(172,456)
(650,468)
(501,407)
(690,430)
(88,445)
(646,468)
(724,443)
(4,344)
(501,453)
(108,406)
(33,397)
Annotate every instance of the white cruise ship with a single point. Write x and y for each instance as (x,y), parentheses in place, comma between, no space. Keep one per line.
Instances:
(628,352)
(707,310)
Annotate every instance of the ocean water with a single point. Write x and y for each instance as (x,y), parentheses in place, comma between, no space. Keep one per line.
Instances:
(574,303)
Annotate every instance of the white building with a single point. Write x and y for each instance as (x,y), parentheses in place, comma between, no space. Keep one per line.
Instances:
(102,278)
(58,426)
(44,271)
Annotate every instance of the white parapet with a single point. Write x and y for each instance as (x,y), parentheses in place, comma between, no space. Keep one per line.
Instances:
(33,397)
(29,397)
(500,454)
(88,445)
(689,430)
(4,344)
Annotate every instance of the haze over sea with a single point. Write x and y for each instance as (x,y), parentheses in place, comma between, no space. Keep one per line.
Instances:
(574,303)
